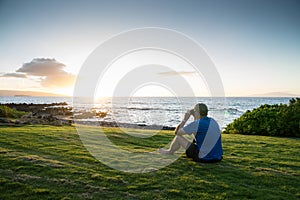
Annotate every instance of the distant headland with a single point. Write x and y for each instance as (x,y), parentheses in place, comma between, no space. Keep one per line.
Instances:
(19,93)
(275,94)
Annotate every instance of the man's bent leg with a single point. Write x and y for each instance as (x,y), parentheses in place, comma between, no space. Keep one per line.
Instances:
(178,141)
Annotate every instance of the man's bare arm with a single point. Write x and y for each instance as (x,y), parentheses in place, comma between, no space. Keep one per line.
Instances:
(178,129)
(181,125)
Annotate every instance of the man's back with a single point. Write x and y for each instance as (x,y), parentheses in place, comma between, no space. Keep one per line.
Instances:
(208,137)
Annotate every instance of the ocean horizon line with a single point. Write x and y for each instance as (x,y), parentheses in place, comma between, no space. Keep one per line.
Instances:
(22,93)
(230,96)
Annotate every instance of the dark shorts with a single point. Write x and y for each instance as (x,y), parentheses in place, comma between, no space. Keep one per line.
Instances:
(193,152)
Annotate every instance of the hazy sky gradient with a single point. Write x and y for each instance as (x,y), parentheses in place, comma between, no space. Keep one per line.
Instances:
(255,44)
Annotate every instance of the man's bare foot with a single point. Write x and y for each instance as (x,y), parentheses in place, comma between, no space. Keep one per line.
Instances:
(164,151)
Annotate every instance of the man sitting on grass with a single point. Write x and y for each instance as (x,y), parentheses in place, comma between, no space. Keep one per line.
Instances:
(207,146)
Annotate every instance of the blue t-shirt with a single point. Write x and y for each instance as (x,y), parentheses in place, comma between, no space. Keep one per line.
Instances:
(208,136)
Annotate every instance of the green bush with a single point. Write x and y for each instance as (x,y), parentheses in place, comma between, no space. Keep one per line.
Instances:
(270,120)
(8,112)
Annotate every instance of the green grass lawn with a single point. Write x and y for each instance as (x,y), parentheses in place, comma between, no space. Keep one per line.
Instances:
(47,162)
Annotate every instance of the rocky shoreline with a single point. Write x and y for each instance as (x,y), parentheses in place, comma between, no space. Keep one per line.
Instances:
(45,114)
(53,108)
(59,114)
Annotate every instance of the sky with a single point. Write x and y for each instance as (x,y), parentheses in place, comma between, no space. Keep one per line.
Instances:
(254,45)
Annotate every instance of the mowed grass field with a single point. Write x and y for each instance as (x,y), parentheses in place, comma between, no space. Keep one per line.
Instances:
(47,162)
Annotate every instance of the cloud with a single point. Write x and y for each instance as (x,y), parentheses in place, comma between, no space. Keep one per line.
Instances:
(174,73)
(13,75)
(49,72)
(42,67)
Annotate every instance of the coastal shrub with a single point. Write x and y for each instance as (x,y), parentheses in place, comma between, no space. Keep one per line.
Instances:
(270,120)
(8,112)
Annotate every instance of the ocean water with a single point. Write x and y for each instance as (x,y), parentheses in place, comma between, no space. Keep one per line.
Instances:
(164,111)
